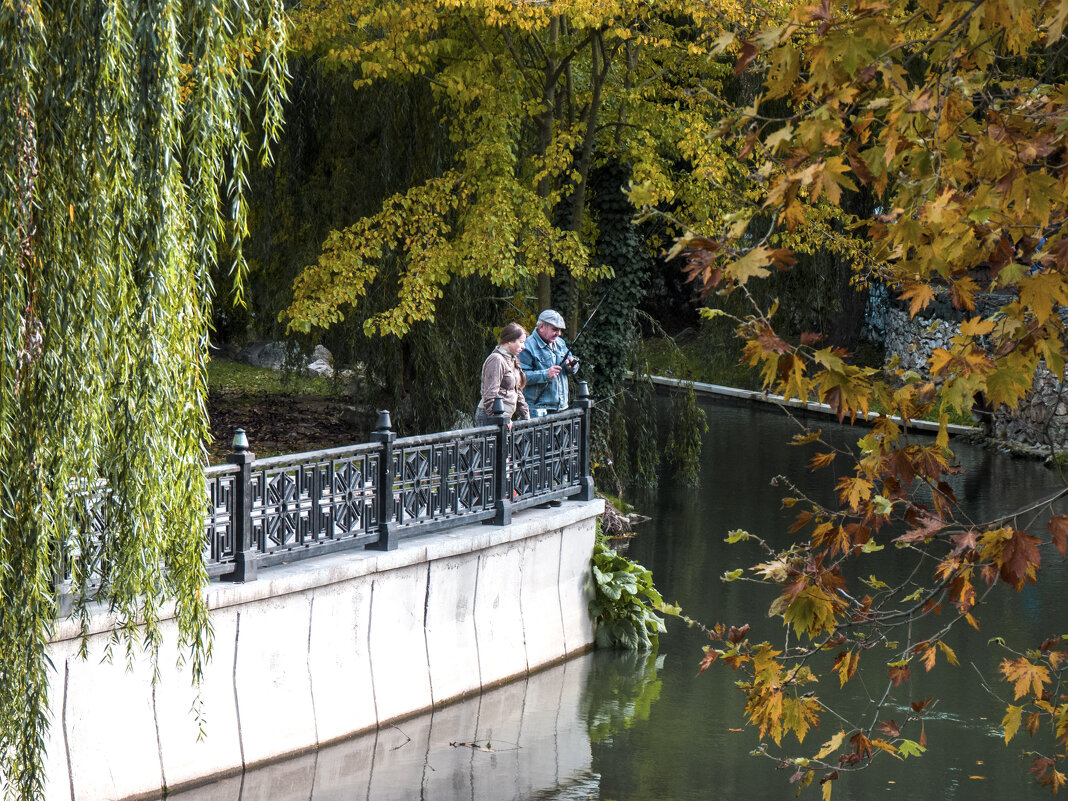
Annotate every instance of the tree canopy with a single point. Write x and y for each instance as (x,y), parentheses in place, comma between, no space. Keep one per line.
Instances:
(533,96)
(125,140)
(952,115)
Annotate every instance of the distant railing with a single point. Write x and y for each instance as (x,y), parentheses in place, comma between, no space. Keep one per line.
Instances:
(263,512)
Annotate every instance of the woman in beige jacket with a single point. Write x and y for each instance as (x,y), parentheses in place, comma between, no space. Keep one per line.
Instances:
(502,378)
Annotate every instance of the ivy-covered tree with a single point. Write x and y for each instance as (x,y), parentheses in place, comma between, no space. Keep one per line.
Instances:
(124,141)
(953,115)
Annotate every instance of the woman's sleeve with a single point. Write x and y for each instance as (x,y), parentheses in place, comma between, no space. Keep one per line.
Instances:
(492,373)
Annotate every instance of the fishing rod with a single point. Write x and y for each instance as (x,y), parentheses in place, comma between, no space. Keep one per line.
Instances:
(567,351)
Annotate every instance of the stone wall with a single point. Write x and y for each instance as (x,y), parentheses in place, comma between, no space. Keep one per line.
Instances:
(321,649)
(1038,425)
(914,340)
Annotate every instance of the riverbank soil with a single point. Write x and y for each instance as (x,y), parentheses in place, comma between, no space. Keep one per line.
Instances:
(277,424)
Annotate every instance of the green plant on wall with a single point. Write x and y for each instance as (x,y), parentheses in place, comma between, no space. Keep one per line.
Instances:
(624,602)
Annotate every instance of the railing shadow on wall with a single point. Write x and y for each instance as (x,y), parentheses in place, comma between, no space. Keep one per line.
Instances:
(262,512)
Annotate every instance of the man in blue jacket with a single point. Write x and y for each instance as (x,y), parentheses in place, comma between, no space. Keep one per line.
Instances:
(547,363)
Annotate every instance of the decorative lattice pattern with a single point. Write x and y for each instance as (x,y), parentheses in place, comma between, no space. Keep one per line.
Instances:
(295,505)
(441,480)
(545,455)
(219,520)
(334,498)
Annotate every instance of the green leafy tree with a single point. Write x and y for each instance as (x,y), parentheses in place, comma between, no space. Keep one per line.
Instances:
(953,116)
(533,97)
(125,131)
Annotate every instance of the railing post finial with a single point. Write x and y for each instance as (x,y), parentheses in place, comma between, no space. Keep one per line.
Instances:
(383,423)
(240,442)
(583,391)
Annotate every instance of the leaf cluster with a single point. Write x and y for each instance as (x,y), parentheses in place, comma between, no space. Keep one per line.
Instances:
(952,116)
(532,96)
(624,602)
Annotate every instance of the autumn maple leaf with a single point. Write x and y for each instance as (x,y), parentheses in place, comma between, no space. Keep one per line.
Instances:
(1019,559)
(1024,675)
(1058,529)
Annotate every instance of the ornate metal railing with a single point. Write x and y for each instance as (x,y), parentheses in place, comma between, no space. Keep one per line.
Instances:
(265,511)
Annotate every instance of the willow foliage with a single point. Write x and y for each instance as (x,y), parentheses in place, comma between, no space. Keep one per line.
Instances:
(124,134)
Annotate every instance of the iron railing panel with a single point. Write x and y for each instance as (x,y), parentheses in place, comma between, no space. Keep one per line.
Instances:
(443,476)
(260,512)
(545,454)
(297,504)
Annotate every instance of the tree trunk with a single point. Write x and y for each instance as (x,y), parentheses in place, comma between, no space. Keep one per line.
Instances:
(578,195)
(545,137)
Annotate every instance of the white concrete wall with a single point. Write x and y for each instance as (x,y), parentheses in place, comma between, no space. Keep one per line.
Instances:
(322,649)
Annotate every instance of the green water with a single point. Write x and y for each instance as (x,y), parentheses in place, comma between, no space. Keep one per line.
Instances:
(689,747)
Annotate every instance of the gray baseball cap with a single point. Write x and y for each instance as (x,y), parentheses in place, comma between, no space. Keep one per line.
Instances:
(552,317)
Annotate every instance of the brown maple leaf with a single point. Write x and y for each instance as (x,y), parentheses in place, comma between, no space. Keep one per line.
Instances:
(891,728)
(964,542)
(736,635)
(1019,560)
(1058,529)
(899,674)
(748,53)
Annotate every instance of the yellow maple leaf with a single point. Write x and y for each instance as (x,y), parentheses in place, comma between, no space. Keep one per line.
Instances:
(854,490)
(1024,675)
(883,745)
(976,327)
(830,746)
(751,265)
(1011,722)
(845,664)
(779,138)
(951,655)
(919,295)
(1040,291)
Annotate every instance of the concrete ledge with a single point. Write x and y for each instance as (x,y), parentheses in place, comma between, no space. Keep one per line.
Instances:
(796,403)
(321,649)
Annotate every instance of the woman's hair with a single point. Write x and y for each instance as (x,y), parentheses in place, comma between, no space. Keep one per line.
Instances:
(510,333)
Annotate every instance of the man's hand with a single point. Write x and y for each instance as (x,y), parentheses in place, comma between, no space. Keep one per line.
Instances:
(572,365)
(554,371)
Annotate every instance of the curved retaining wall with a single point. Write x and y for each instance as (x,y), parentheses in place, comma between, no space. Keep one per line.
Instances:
(319,650)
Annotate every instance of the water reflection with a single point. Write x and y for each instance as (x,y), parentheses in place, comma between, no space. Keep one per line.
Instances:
(632,727)
(521,741)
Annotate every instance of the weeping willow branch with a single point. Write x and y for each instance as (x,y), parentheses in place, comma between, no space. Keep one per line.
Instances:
(123,145)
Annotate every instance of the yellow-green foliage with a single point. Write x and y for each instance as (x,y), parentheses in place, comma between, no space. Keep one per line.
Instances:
(531,94)
(123,134)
